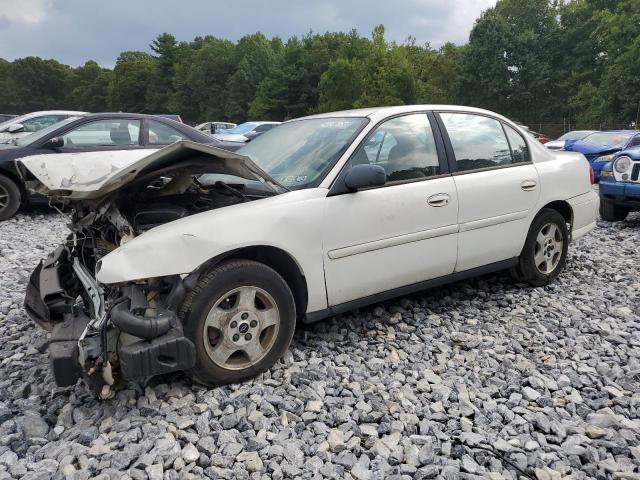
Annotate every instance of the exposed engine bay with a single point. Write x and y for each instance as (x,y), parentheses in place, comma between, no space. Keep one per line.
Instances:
(106,333)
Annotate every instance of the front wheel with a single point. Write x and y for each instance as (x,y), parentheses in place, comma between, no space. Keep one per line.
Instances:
(610,212)
(241,317)
(545,251)
(10,198)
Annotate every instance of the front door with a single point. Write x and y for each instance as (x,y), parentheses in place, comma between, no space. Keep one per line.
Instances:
(405,232)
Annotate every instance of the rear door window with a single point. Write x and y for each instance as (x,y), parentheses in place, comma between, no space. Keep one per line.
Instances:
(477,141)
(161,134)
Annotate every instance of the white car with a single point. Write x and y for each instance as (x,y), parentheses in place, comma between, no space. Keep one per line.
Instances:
(214,127)
(198,259)
(245,132)
(23,125)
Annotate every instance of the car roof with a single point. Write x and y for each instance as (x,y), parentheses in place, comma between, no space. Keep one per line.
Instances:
(616,131)
(125,114)
(376,113)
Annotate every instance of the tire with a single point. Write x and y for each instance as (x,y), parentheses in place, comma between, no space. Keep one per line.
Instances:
(543,257)
(610,212)
(222,288)
(10,198)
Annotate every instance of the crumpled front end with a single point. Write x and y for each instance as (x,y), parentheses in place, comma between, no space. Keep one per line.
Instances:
(106,333)
(126,330)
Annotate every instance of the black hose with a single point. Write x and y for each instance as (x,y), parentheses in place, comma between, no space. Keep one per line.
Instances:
(143,327)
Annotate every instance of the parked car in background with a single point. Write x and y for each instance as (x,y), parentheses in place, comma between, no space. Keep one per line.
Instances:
(175,118)
(600,147)
(541,137)
(6,116)
(620,185)
(574,135)
(89,137)
(24,125)
(246,131)
(319,216)
(215,127)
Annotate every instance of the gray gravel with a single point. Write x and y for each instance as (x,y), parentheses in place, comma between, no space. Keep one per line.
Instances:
(483,379)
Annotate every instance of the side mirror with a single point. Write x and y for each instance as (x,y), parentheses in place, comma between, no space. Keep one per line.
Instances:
(55,142)
(365,176)
(15,128)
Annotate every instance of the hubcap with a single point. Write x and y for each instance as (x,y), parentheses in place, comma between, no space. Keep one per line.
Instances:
(548,249)
(241,328)
(4,197)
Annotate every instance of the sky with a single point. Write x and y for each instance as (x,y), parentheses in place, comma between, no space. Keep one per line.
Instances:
(74,31)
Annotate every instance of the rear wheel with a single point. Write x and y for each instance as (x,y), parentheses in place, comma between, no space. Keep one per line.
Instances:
(10,197)
(241,318)
(545,251)
(610,212)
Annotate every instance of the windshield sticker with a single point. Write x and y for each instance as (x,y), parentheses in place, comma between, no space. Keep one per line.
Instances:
(337,124)
(294,179)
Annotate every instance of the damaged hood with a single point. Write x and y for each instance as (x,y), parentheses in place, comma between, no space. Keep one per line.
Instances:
(92,175)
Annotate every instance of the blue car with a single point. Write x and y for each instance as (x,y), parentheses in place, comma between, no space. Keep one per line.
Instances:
(620,185)
(600,147)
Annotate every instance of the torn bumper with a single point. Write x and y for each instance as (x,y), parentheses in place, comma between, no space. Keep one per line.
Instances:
(153,343)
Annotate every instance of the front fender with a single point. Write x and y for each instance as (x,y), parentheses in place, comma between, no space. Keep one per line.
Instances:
(291,222)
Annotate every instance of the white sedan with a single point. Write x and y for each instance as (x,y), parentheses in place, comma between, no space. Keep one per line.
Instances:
(197,259)
(24,125)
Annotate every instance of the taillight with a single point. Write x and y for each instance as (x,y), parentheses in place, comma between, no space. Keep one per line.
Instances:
(592,176)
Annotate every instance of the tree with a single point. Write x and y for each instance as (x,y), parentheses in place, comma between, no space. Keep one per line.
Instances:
(508,64)
(253,57)
(128,88)
(161,88)
(90,90)
(201,74)
(36,84)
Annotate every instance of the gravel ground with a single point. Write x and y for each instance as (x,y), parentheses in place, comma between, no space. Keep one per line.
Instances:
(483,379)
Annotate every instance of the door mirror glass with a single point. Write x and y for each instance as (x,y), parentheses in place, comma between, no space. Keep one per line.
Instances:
(365,176)
(55,142)
(15,128)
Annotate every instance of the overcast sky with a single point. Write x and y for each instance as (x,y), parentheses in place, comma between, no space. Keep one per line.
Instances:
(74,31)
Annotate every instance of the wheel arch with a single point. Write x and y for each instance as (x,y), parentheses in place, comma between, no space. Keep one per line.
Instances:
(563,208)
(280,260)
(15,179)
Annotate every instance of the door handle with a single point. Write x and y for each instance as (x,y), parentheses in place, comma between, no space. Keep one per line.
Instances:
(438,200)
(528,185)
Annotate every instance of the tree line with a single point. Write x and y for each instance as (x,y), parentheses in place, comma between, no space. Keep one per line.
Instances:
(536,61)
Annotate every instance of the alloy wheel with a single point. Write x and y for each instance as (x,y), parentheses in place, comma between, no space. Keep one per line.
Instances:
(4,198)
(548,248)
(241,328)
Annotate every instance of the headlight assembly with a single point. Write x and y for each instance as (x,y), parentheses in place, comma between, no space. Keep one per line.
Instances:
(603,159)
(622,164)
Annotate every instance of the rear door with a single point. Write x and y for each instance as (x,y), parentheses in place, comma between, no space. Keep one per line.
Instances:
(497,186)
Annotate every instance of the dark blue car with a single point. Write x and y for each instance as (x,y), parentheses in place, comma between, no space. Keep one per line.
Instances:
(600,147)
(620,185)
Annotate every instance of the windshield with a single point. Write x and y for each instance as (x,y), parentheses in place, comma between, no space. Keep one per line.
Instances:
(242,128)
(576,135)
(11,121)
(298,154)
(614,139)
(34,137)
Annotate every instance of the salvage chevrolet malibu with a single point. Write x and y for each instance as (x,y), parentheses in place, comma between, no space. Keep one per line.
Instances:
(198,259)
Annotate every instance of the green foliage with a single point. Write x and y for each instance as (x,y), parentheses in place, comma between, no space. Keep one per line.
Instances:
(532,60)
(128,88)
